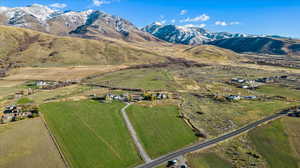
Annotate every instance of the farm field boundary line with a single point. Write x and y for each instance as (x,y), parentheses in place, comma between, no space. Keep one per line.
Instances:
(66,163)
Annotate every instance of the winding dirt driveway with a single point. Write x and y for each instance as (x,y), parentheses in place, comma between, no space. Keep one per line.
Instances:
(134,136)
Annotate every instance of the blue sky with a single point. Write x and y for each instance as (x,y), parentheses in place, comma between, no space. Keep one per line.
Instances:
(280,17)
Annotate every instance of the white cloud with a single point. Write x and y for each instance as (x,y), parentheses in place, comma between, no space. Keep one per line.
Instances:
(173,21)
(223,23)
(192,25)
(189,25)
(158,23)
(163,21)
(100,2)
(183,12)
(58,5)
(202,25)
(234,23)
(202,18)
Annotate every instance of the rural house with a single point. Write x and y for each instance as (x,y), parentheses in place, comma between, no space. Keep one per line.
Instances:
(19,112)
(234,97)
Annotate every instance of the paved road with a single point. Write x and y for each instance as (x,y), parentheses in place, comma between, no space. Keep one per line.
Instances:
(208,143)
(134,136)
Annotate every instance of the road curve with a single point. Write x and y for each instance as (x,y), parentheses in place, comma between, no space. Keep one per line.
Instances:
(134,136)
(209,143)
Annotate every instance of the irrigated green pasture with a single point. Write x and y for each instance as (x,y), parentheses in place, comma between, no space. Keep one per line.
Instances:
(160,129)
(91,134)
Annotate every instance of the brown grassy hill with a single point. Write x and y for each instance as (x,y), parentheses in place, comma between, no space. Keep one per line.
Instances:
(27,48)
(212,53)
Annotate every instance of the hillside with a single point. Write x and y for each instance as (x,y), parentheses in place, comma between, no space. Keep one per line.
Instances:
(23,47)
(210,52)
(261,45)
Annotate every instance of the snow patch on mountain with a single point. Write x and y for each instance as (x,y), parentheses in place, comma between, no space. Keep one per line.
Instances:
(74,18)
(3,9)
(42,13)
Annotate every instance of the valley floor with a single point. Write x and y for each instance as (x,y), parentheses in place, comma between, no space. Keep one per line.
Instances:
(93,133)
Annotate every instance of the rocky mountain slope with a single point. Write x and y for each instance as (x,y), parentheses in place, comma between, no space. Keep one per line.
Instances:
(262,45)
(186,34)
(100,24)
(88,24)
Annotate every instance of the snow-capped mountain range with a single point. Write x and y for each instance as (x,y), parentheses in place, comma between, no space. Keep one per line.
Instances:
(187,34)
(90,23)
(96,24)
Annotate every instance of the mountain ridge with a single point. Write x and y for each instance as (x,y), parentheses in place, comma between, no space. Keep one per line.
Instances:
(237,42)
(261,45)
(188,35)
(87,24)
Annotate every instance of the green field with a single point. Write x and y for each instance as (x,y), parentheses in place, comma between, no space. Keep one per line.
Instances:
(59,93)
(24,100)
(272,143)
(160,129)
(292,128)
(273,90)
(137,78)
(207,160)
(91,134)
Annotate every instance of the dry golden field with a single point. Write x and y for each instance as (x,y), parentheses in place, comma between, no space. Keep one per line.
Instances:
(58,73)
(27,144)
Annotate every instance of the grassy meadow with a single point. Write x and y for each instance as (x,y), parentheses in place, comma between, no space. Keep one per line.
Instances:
(152,79)
(273,90)
(24,100)
(8,88)
(272,142)
(91,134)
(219,117)
(291,125)
(160,129)
(60,93)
